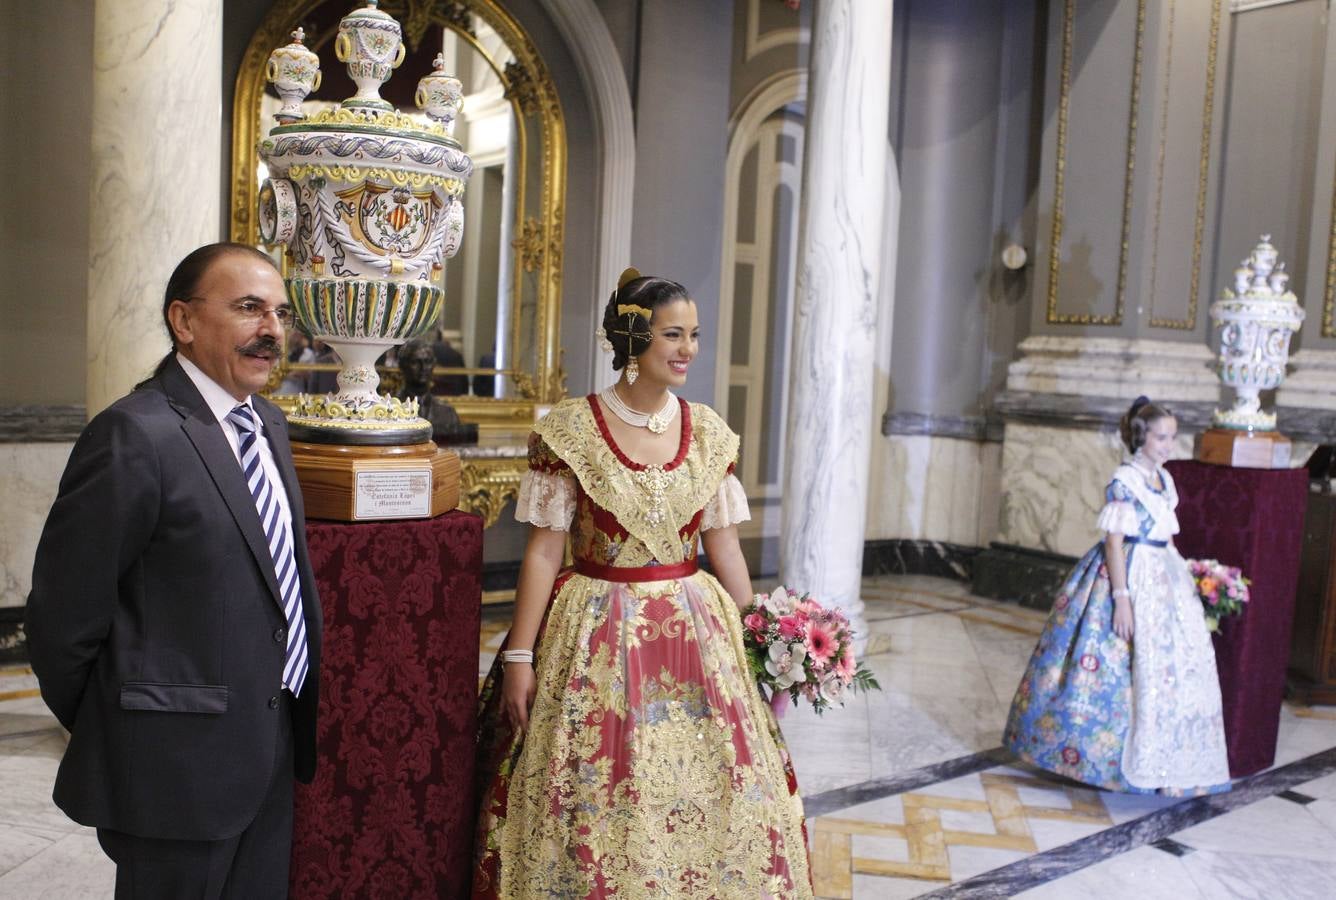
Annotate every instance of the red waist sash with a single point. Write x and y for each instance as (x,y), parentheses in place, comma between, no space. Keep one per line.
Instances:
(625,575)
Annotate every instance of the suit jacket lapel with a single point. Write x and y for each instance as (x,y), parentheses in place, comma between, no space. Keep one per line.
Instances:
(204,432)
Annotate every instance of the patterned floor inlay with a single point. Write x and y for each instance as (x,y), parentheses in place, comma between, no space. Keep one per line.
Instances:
(842,798)
(1049,865)
(920,846)
(1309,712)
(17,683)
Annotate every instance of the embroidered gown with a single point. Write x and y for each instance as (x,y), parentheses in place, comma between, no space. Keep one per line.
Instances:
(652,766)
(1145,718)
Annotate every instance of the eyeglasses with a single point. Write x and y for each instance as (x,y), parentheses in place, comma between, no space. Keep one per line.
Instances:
(253,310)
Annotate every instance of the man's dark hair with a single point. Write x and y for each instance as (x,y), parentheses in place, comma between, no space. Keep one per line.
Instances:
(185,279)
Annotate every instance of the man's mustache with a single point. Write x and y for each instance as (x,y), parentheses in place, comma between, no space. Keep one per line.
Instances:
(266,345)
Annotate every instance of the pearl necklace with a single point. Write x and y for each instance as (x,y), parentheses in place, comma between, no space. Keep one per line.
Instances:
(656,422)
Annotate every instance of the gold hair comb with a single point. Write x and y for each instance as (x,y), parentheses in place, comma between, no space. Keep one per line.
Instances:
(626,309)
(630,274)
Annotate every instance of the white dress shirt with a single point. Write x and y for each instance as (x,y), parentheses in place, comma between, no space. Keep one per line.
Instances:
(221,403)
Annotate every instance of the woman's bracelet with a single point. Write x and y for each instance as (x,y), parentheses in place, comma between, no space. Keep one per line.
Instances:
(1121,592)
(517,656)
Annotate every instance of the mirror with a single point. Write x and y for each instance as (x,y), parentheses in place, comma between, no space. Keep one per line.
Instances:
(497,339)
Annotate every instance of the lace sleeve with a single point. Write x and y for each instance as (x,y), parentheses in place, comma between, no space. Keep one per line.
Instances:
(1119,517)
(547,491)
(546,499)
(727,507)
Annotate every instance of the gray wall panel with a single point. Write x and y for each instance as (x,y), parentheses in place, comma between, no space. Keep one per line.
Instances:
(681,146)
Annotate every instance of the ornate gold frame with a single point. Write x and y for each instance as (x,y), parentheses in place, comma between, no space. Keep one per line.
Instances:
(1329,294)
(538,243)
(487,485)
(1203,169)
(1052,316)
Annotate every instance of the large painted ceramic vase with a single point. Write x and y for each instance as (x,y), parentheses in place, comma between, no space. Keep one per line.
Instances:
(1256,319)
(366,202)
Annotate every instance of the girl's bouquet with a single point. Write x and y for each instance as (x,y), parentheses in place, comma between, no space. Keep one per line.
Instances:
(797,648)
(1223,589)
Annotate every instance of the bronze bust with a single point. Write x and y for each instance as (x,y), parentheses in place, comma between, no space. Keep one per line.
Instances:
(416,360)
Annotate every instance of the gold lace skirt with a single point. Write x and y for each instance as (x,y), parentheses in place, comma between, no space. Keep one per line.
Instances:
(652,766)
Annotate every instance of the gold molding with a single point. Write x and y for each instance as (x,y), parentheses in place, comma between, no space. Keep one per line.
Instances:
(486,485)
(528,78)
(1203,171)
(1329,297)
(1160,156)
(1054,317)
(1204,163)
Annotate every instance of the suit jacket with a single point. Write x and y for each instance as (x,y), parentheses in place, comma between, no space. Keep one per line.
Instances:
(154,626)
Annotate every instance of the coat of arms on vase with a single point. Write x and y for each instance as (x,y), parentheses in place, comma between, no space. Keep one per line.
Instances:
(1256,316)
(367,203)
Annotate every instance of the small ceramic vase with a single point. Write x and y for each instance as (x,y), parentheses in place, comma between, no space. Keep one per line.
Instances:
(294,71)
(440,96)
(371,43)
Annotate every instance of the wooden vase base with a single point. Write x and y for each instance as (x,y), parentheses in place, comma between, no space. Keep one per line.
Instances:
(1246,449)
(354,484)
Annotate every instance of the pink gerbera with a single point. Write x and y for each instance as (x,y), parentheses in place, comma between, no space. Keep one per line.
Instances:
(820,643)
(846,666)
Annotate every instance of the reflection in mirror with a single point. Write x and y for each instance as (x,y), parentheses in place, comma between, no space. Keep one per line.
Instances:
(480,274)
(478,333)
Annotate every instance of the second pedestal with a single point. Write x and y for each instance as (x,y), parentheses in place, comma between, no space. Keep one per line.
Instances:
(354,484)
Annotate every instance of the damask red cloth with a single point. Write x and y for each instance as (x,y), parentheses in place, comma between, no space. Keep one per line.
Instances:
(390,813)
(1253,519)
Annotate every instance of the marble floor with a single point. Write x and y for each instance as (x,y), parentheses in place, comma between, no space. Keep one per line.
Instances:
(906,789)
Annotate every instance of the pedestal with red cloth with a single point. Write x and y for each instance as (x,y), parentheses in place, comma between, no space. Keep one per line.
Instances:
(1253,519)
(390,813)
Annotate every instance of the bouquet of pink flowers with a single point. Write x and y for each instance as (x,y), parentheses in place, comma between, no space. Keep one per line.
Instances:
(798,648)
(1223,589)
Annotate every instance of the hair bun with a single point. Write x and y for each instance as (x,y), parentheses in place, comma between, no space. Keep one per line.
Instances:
(631,273)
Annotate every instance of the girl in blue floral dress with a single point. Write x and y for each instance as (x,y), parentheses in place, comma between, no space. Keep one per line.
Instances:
(1121,692)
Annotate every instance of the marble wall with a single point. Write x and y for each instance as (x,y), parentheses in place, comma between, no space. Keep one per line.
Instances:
(925,487)
(32,473)
(1114,367)
(1053,482)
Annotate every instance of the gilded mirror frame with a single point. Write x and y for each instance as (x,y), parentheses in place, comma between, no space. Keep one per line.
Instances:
(537,240)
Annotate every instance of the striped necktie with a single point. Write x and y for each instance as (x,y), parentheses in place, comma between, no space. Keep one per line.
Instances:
(278,533)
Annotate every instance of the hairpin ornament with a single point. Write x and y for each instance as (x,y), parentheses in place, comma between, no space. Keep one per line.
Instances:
(630,309)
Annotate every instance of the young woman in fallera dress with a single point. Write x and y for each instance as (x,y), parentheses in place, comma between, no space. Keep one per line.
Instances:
(624,748)
(1121,692)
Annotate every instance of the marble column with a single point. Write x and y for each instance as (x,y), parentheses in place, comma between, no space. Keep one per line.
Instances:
(157,157)
(830,416)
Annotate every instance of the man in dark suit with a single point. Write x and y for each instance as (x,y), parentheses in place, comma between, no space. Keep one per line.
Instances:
(173,623)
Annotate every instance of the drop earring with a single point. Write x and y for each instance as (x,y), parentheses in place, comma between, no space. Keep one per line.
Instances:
(632,371)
